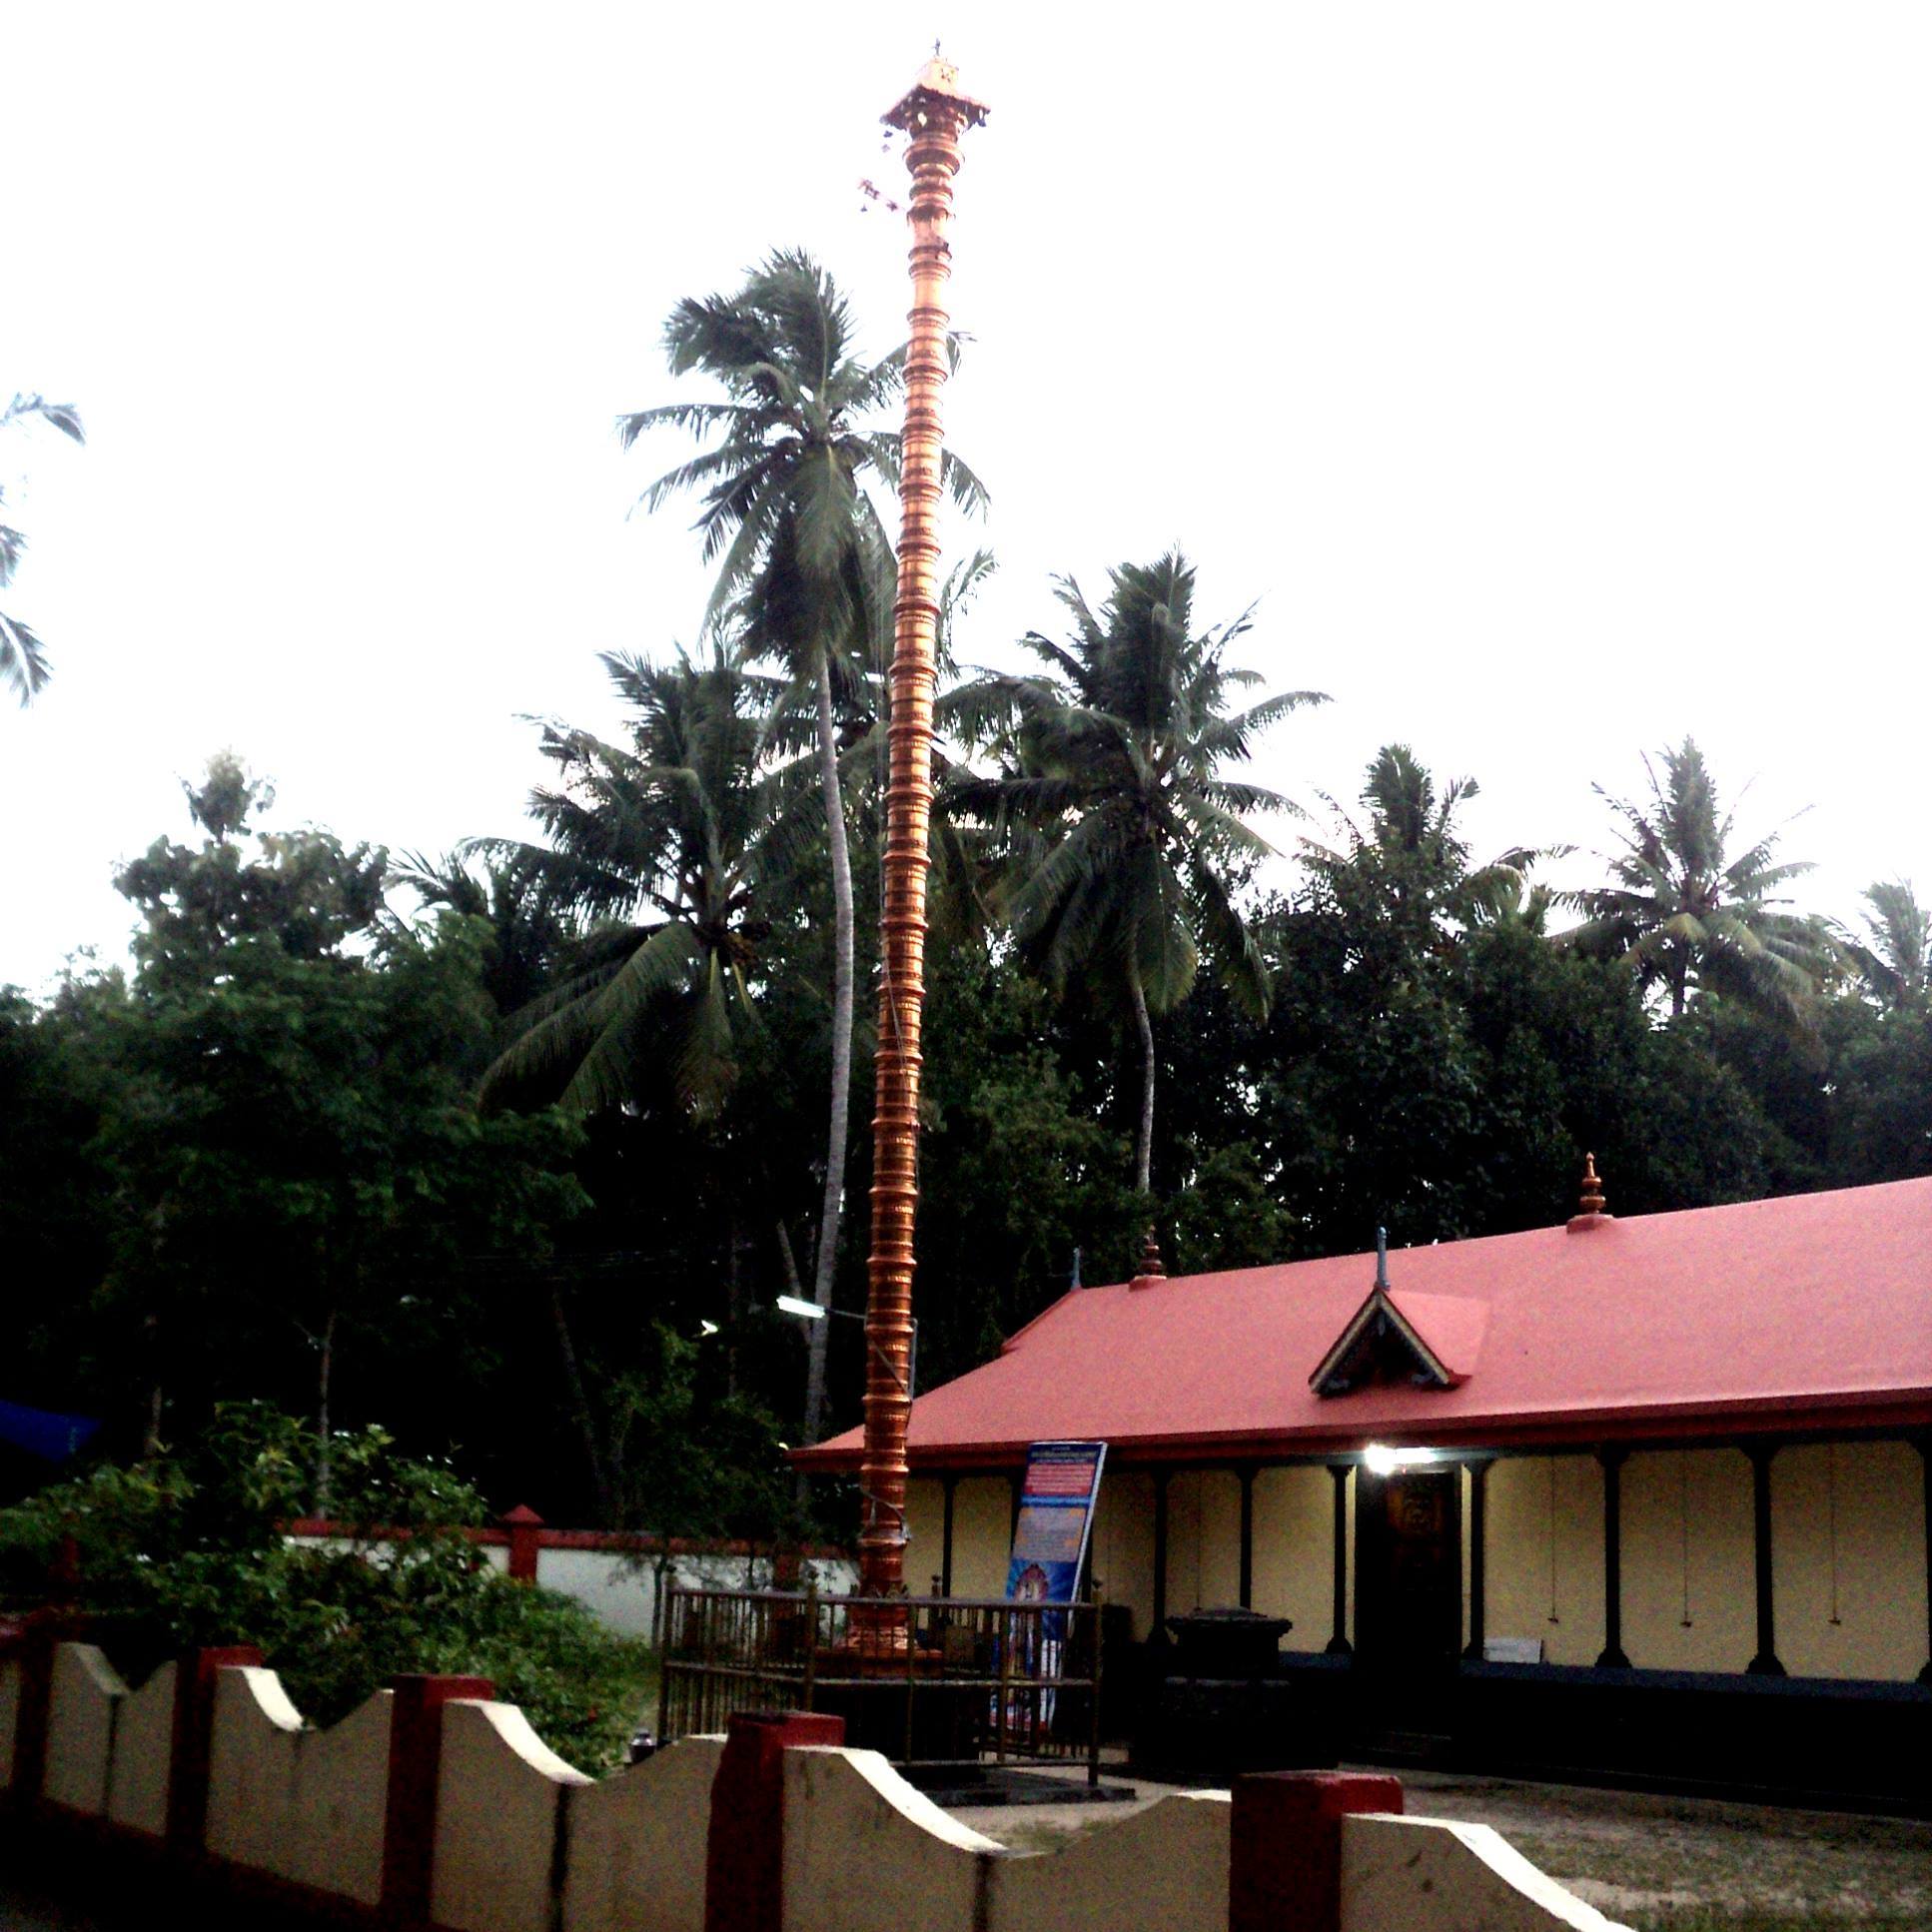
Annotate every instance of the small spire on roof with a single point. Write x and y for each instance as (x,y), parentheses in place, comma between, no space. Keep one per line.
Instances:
(1593,1197)
(1151,1270)
(1591,1205)
(1381,1257)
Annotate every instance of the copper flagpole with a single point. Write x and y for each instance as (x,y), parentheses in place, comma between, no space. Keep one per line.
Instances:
(933,114)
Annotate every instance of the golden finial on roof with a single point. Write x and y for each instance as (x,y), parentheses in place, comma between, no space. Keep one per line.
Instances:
(1592,1196)
(1150,1269)
(1590,1206)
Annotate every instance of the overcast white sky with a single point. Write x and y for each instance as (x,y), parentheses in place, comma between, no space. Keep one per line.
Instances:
(1556,376)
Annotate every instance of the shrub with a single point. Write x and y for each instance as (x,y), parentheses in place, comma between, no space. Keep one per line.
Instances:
(188,1548)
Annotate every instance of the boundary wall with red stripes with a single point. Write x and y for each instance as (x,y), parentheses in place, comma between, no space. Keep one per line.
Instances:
(435,1806)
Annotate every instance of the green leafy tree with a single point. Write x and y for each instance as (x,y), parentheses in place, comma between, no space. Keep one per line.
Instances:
(292,1145)
(801,556)
(1878,1092)
(1125,836)
(54,1081)
(1018,1167)
(304,891)
(1687,914)
(23,658)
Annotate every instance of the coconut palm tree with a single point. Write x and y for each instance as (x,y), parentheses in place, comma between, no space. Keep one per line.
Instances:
(1896,961)
(1690,916)
(1410,863)
(526,936)
(1123,833)
(23,658)
(660,851)
(794,443)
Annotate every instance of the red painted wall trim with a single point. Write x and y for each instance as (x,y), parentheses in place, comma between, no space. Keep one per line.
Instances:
(620,1541)
(525,1529)
(744,1888)
(1285,1846)
(627,1540)
(328,1527)
(415,1763)
(30,1640)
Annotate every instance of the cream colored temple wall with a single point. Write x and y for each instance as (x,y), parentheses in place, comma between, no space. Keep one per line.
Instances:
(1293,1553)
(982,1535)
(925,1532)
(1850,1516)
(1122,1542)
(1545,1531)
(1202,1539)
(1122,1551)
(1849,1543)
(1689,1560)
(1852,1513)
(1292,1531)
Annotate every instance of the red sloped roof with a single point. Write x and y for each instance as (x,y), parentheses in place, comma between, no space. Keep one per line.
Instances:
(1453,1326)
(1815,1309)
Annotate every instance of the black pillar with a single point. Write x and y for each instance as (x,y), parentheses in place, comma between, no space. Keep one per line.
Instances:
(1612,1658)
(1765,1663)
(1339,1645)
(1247,1584)
(1159,1631)
(1479,1566)
(950,1486)
(1924,1443)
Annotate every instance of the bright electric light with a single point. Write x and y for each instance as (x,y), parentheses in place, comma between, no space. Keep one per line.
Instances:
(706,1328)
(1382,1461)
(796,1305)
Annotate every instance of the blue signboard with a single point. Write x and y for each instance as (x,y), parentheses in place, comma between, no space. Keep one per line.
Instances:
(40,1433)
(1056,1517)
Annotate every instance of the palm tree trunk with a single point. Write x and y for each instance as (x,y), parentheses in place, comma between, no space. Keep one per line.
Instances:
(1144,1143)
(733,1306)
(581,1406)
(151,1439)
(324,1376)
(826,1263)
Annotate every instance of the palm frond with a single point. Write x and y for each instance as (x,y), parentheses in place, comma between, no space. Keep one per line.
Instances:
(23,659)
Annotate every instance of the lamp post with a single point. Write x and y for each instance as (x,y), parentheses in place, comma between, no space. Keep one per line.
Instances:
(812,1312)
(933,114)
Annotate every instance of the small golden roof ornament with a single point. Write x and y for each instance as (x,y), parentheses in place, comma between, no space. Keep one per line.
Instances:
(1150,1269)
(1591,1203)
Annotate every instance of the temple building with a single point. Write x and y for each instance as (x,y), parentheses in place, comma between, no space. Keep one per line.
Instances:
(1640,1495)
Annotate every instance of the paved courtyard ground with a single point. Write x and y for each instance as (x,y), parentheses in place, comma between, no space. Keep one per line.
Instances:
(1673,1864)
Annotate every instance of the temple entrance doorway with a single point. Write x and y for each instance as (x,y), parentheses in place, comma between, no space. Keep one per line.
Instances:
(1408,1599)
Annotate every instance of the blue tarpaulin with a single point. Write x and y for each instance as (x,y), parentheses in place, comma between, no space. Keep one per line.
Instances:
(41,1432)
